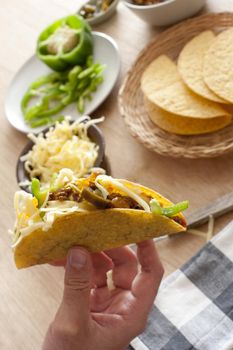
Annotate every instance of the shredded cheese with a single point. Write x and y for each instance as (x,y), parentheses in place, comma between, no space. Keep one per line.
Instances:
(64,146)
(210,231)
(207,235)
(27,214)
(101,188)
(29,218)
(104,179)
(109,280)
(195,232)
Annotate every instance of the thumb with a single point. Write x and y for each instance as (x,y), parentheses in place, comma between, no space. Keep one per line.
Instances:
(78,275)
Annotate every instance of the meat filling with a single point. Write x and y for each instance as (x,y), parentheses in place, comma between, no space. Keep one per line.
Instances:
(65,194)
(91,195)
(114,200)
(119,201)
(179,220)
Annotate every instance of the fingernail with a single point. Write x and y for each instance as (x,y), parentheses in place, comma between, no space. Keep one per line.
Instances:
(77,258)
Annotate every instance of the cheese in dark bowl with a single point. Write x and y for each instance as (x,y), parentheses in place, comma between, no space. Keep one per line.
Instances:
(78,146)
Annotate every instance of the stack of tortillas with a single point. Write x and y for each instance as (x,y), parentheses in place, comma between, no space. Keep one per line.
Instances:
(190,97)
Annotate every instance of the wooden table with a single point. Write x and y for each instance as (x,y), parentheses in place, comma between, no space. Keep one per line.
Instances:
(29,298)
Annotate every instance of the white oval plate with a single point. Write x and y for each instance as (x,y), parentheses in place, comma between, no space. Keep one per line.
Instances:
(105,52)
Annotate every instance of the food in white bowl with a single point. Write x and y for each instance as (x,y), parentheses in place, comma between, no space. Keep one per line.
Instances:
(147,2)
(165,12)
(98,11)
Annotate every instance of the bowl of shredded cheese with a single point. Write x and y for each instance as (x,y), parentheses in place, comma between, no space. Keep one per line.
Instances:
(78,146)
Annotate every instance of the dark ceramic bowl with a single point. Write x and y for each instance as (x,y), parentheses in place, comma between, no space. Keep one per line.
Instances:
(94,134)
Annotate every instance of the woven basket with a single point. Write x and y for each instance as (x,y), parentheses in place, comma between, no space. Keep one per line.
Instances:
(131,105)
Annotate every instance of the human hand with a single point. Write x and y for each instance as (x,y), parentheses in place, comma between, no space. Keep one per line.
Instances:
(91,317)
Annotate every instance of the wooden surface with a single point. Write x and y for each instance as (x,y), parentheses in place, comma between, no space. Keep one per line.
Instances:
(29,298)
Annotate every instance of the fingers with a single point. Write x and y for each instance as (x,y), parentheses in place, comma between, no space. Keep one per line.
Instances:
(74,309)
(125,266)
(101,265)
(148,279)
(100,299)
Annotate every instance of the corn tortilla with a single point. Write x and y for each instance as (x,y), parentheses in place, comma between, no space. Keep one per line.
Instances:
(96,230)
(162,84)
(218,67)
(180,125)
(190,65)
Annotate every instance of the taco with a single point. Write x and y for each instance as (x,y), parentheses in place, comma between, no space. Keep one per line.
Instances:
(97,212)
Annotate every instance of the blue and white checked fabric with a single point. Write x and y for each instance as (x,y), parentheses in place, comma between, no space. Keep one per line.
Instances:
(194,306)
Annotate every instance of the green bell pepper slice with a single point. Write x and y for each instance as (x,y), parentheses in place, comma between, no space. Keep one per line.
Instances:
(39,194)
(50,94)
(168,211)
(65,43)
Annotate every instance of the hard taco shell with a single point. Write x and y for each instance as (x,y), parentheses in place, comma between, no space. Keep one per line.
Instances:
(95,230)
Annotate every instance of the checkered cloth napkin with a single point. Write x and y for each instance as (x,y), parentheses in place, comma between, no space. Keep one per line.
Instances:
(194,306)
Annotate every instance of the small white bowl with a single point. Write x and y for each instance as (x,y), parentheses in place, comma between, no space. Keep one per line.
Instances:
(102,16)
(167,12)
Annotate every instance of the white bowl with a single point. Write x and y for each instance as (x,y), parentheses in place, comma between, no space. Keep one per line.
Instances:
(105,52)
(167,12)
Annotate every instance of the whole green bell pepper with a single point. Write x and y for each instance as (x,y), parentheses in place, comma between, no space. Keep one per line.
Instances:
(65,43)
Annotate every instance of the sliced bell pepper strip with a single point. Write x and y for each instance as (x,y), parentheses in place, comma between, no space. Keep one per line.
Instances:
(49,95)
(175,209)
(39,194)
(168,211)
